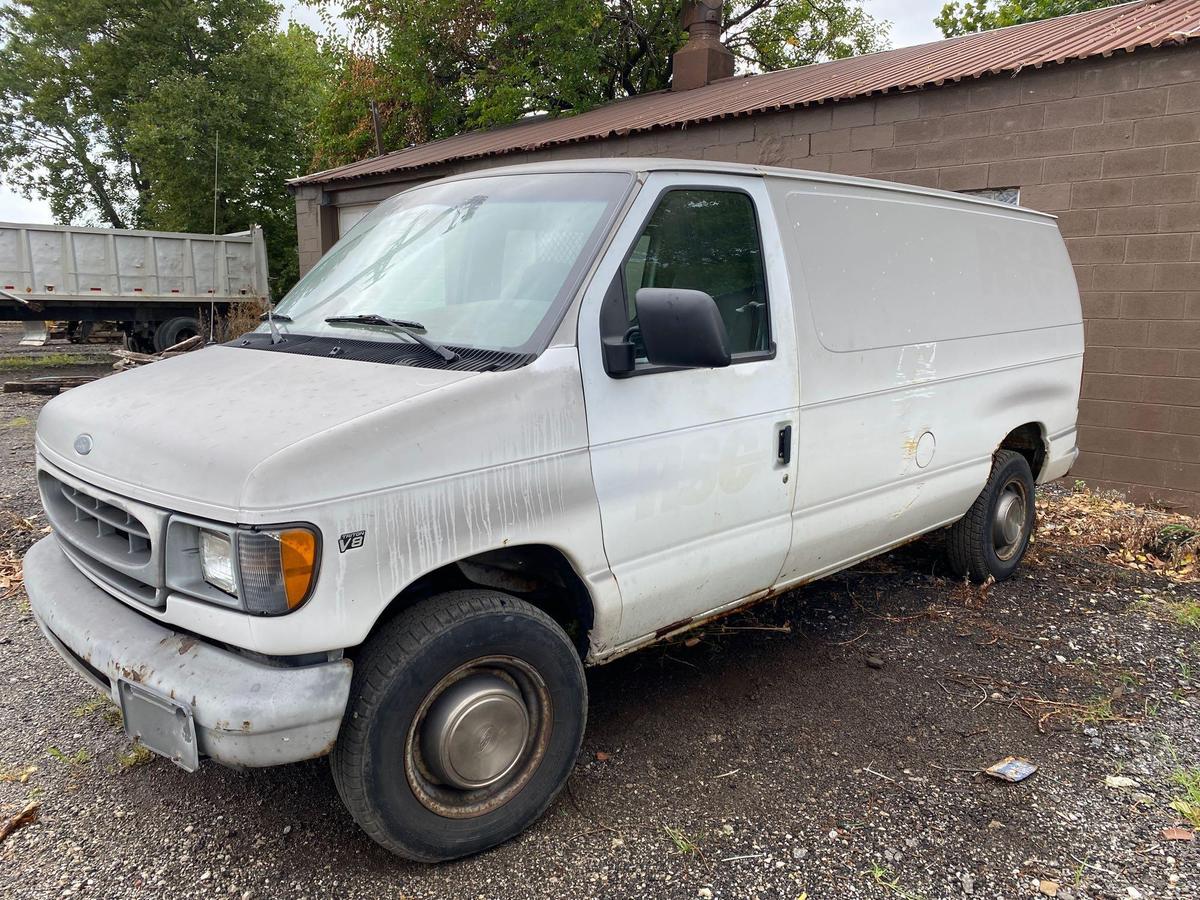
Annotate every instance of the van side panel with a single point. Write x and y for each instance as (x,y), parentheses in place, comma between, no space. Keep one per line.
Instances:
(927,329)
(888,269)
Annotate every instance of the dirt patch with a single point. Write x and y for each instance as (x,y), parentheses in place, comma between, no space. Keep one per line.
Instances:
(830,742)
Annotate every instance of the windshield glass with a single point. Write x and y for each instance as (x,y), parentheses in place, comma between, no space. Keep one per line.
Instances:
(478,263)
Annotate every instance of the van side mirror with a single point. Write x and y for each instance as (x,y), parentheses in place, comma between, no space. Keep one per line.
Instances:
(682,328)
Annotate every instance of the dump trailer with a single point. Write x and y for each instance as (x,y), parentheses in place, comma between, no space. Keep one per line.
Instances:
(158,287)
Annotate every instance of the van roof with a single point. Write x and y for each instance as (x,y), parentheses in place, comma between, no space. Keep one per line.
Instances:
(635,165)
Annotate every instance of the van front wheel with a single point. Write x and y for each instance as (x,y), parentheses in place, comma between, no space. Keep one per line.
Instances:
(465,718)
(990,540)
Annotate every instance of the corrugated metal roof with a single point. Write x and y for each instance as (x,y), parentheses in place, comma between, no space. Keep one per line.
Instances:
(1100,32)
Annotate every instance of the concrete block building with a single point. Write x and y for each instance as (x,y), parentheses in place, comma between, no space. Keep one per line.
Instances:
(1093,117)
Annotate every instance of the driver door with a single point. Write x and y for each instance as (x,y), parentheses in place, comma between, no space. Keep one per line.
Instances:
(693,468)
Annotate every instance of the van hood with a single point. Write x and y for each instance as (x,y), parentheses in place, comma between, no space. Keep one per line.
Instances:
(187,432)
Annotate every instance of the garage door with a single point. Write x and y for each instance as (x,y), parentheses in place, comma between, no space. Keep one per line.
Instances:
(349,216)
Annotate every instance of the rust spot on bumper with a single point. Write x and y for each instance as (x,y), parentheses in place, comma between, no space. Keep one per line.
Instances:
(136,674)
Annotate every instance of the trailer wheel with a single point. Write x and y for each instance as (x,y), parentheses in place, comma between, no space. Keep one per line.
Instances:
(79,332)
(991,539)
(465,717)
(172,331)
(139,341)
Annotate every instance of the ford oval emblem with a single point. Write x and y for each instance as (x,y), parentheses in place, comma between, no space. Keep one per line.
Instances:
(83,444)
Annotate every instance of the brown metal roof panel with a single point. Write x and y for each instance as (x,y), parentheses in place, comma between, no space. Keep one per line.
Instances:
(1095,33)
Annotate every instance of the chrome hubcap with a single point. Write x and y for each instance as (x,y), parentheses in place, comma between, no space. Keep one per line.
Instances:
(475,731)
(1008,527)
(478,737)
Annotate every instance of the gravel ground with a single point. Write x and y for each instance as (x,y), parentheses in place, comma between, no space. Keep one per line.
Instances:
(827,743)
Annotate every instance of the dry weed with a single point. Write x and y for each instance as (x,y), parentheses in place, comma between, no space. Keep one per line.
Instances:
(1131,536)
(238,320)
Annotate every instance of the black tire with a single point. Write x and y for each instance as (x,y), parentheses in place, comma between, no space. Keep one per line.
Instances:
(379,765)
(172,331)
(978,545)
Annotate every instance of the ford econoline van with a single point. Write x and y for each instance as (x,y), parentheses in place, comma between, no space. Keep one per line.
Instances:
(525,420)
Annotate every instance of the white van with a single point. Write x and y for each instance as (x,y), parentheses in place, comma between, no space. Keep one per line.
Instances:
(524,420)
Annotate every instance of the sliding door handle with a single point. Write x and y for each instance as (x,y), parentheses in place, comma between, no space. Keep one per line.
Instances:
(783,453)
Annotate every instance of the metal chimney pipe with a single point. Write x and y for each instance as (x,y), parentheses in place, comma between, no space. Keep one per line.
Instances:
(703,59)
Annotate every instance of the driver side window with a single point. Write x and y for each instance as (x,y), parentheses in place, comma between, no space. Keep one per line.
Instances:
(706,240)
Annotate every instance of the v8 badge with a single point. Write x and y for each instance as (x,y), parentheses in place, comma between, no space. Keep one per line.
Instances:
(351,541)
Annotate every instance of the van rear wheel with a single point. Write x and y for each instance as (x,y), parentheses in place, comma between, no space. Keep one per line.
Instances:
(990,540)
(465,718)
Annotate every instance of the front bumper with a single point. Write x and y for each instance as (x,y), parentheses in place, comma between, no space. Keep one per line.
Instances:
(247,713)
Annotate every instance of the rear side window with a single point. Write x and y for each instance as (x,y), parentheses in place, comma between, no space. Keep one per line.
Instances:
(706,240)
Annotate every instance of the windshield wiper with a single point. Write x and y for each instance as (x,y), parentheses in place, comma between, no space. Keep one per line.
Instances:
(278,317)
(408,328)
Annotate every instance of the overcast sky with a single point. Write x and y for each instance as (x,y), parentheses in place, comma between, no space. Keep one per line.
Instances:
(912,23)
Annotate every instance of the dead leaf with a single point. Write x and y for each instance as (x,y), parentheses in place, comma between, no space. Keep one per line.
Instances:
(27,816)
(20,776)
(1178,833)
(1129,535)
(601,756)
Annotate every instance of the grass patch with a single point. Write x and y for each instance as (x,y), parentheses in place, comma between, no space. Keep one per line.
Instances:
(1186,674)
(682,842)
(1186,612)
(138,755)
(18,422)
(1187,804)
(886,878)
(108,710)
(1099,710)
(51,361)
(86,709)
(78,758)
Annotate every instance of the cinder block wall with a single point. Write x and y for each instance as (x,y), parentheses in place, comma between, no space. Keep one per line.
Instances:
(1112,147)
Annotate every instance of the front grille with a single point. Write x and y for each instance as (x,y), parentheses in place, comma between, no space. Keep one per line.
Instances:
(118,581)
(106,537)
(110,526)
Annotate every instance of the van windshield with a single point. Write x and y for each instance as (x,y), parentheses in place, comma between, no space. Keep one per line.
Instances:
(485,262)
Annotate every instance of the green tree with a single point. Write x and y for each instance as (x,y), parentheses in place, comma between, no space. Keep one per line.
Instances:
(113,110)
(440,67)
(969,16)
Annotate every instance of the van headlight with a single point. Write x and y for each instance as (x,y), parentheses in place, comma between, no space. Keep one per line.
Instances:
(216,561)
(267,571)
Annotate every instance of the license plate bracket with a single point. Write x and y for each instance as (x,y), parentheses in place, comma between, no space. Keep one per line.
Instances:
(159,722)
